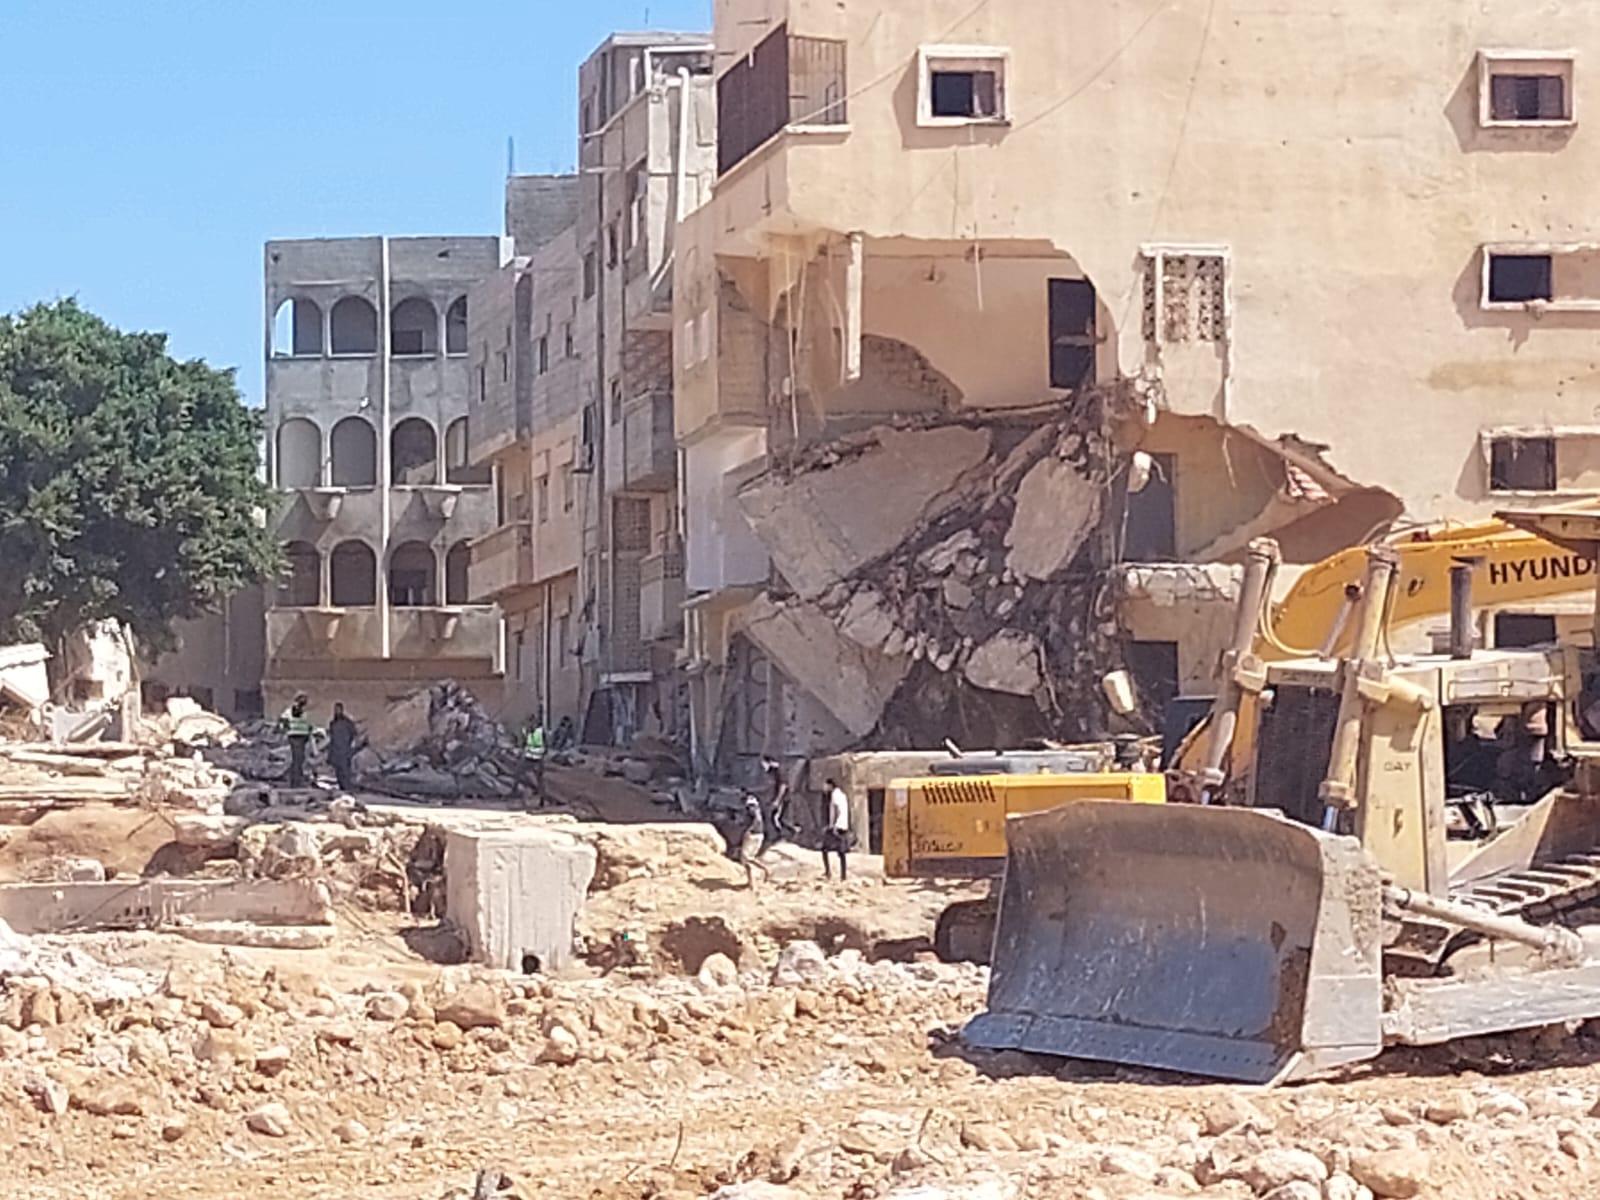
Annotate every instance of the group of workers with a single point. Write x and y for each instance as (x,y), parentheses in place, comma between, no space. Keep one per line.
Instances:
(770,810)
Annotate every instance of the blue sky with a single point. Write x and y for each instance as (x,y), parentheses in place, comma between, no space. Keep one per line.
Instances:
(151,146)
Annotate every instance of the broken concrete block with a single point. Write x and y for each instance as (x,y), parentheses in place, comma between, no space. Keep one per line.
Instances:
(851,681)
(822,524)
(1009,662)
(866,621)
(1057,506)
(515,894)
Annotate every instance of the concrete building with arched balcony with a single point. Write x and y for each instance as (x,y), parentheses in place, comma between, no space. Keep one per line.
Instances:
(366,411)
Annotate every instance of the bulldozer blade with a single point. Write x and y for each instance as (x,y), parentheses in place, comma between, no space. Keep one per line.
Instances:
(1231,943)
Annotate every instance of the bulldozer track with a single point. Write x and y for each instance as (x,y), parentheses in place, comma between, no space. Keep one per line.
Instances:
(1538,894)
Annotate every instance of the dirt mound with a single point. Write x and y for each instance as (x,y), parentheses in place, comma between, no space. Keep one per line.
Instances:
(124,840)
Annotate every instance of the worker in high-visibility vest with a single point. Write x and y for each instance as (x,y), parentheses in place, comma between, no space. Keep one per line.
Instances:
(533,752)
(294,725)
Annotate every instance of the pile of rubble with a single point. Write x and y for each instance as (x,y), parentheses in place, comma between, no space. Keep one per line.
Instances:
(439,743)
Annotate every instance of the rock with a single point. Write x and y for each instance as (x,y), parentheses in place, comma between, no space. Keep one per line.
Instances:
(270,1120)
(446,1035)
(1393,1114)
(1342,1187)
(224,1047)
(990,1139)
(1452,1106)
(1392,1174)
(273,1060)
(1295,1189)
(875,1143)
(1124,1160)
(219,1014)
(800,963)
(39,1009)
(718,971)
(174,1128)
(1502,1104)
(1273,1168)
(476,1006)
(756,1189)
(1577,1145)
(1558,1102)
(48,1095)
(908,1160)
(351,1132)
(1008,662)
(560,1046)
(109,1102)
(1231,1111)
(387,1006)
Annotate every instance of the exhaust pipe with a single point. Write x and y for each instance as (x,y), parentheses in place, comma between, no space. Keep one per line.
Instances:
(1462,633)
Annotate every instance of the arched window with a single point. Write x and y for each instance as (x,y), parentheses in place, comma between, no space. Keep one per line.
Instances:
(301,583)
(299,454)
(457,466)
(414,327)
(414,452)
(456,562)
(355,575)
(354,327)
(455,327)
(413,576)
(297,328)
(353,446)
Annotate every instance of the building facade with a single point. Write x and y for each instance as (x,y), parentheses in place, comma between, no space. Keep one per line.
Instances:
(1320,271)
(571,348)
(367,435)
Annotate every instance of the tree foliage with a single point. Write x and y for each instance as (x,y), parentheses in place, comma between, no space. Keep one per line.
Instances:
(129,481)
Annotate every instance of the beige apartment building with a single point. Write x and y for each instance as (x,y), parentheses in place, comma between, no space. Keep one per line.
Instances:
(1326,268)
(366,423)
(572,354)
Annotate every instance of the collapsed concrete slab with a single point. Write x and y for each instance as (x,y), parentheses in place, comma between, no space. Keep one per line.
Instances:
(822,523)
(515,894)
(163,903)
(852,680)
(1058,504)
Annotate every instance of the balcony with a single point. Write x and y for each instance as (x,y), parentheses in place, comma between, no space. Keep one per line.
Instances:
(302,634)
(649,451)
(661,595)
(468,631)
(785,81)
(502,562)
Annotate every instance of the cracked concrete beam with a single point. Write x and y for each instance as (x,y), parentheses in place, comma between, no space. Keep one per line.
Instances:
(821,525)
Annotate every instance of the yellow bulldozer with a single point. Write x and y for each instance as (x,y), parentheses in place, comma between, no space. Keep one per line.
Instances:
(1414,860)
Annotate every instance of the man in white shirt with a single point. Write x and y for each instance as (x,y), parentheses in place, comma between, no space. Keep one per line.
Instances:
(836,835)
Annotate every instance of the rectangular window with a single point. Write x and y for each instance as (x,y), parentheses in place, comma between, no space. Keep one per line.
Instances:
(406,341)
(1522,464)
(962,85)
(544,354)
(611,244)
(1154,666)
(505,367)
(1518,278)
(569,345)
(1151,530)
(1528,98)
(483,383)
(543,497)
(1523,629)
(638,197)
(616,401)
(589,272)
(1072,332)
(569,493)
(516,660)
(1185,294)
(1518,88)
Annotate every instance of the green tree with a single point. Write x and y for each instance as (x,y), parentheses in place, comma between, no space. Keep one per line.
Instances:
(129,481)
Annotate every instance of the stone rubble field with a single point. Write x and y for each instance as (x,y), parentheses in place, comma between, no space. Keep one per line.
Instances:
(139,1065)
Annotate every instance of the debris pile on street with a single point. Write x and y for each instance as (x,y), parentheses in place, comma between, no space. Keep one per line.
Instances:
(438,743)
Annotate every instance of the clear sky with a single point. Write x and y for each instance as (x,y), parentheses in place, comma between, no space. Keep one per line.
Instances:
(152,146)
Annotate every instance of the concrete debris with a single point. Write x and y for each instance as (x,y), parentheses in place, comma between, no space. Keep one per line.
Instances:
(514,895)
(1010,661)
(439,743)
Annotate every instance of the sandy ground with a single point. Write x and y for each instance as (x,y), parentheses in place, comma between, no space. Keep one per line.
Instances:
(730,1055)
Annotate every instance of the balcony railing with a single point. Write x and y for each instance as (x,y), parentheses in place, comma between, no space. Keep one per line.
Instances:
(661,595)
(784,81)
(501,562)
(650,455)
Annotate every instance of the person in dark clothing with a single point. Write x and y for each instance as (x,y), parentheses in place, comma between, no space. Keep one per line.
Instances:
(736,827)
(773,828)
(294,725)
(342,747)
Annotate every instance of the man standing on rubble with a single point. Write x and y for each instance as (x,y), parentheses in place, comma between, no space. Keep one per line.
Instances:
(342,747)
(836,834)
(293,724)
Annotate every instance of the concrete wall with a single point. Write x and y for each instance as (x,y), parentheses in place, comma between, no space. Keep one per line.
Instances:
(219,658)
(539,207)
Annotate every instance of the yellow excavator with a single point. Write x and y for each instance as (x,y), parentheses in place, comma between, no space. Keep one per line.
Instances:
(1415,858)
